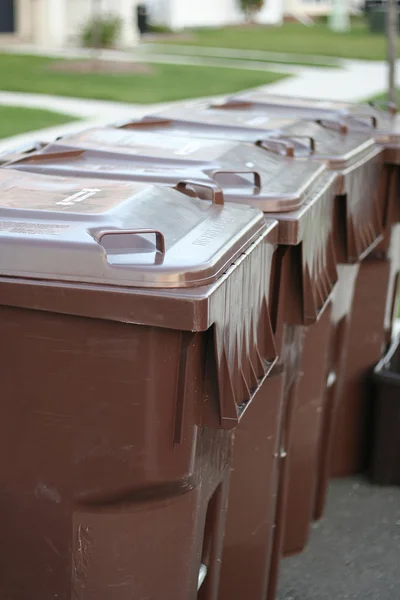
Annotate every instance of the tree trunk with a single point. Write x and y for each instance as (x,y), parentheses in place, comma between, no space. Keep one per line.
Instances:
(96,32)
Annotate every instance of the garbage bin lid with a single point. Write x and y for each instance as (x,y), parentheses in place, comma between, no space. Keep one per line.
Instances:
(383,125)
(259,176)
(325,140)
(129,234)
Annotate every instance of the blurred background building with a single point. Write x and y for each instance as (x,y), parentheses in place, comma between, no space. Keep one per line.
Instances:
(56,23)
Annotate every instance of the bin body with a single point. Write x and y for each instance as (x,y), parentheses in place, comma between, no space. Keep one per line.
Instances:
(348,393)
(117,437)
(370,327)
(142,18)
(304,275)
(360,207)
(309,422)
(377,18)
(385,463)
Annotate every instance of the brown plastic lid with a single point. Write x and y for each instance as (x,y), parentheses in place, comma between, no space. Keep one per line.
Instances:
(324,139)
(256,175)
(19,152)
(126,234)
(379,118)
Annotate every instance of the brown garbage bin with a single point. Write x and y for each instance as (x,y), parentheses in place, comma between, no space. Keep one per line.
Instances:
(135,344)
(360,207)
(348,450)
(305,274)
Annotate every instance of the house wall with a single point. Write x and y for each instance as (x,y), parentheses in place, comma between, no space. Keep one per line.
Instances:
(79,12)
(180,14)
(311,8)
(23,19)
(55,23)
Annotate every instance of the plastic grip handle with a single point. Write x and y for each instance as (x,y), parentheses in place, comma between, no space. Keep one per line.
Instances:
(333,124)
(217,195)
(146,122)
(232,104)
(384,104)
(374,120)
(276,145)
(292,139)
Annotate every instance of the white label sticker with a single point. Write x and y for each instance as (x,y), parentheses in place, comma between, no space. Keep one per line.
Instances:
(257,121)
(188,149)
(78,197)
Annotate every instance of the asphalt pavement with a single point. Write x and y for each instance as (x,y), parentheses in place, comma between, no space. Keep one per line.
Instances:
(354,552)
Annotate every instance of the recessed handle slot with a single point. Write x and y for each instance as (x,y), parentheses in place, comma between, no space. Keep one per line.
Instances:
(226,175)
(120,245)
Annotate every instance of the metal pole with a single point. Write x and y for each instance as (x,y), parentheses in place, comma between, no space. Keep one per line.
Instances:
(96,14)
(96,33)
(391,47)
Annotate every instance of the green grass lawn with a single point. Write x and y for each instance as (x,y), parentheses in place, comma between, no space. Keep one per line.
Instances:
(297,39)
(168,82)
(15,120)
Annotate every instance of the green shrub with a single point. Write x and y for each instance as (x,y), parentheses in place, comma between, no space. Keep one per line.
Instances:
(250,7)
(158,28)
(102,31)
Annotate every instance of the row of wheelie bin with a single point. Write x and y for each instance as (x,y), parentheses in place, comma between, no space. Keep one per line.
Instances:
(192,307)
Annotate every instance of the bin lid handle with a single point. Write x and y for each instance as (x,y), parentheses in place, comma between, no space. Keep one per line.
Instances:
(160,239)
(148,121)
(391,107)
(367,117)
(42,156)
(333,124)
(232,104)
(256,175)
(189,187)
(292,139)
(277,145)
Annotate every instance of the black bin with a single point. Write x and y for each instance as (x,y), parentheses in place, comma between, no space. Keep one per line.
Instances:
(142,18)
(385,463)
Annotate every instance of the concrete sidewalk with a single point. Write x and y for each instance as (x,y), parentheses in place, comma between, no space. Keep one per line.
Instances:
(258,55)
(358,81)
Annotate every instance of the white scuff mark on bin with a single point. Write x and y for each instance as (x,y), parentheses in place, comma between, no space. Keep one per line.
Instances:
(202,576)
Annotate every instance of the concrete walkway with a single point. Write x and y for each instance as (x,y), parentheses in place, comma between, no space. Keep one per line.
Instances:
(81,108)
(259,55)
(356,82)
